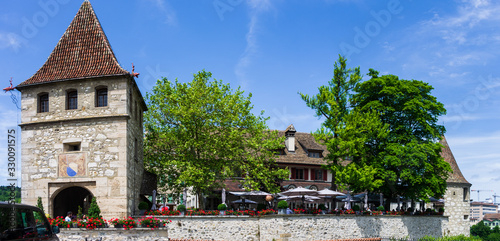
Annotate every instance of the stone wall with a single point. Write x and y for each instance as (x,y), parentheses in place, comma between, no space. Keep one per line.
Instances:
(457,208)
(305,227)
(109,160)
(276,227)
(111,234)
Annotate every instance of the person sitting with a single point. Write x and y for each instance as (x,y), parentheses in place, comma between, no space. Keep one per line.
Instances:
(68,217)
(289,211)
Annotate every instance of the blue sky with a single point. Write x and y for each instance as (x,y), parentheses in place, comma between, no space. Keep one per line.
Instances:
(275,49)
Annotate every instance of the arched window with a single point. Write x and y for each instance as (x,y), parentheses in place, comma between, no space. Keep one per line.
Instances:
(101,97)
(72,100)
(43,102)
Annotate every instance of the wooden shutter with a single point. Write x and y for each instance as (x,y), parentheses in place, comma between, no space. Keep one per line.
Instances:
(306,174)
(325,175)
(313,174)
(293,173)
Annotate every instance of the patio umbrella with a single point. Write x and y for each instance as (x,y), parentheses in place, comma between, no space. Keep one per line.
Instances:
(327,193)
(250,193)
(297,198)
(299,191)
(244,201)
(154,200)
(223,195)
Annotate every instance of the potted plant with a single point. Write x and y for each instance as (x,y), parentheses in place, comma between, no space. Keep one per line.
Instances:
(282,206)
(151,222)
(117,223)
(143,206)
(441,211)
(181,208)
(381,209)
(222,208)
(356,209)
(322,207)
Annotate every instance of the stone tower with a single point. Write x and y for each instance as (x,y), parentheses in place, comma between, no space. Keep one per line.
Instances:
(456,197)
(82,126)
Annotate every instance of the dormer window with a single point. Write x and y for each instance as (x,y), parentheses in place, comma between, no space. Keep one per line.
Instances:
(72,100)
(279,152)
(101,97)
(43,103)
(314,154)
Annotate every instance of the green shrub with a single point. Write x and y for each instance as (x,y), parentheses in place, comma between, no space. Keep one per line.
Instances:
(282,204)
(355,208)
(493,237)
(322,207)
(94,210)
(221,207)
(79,215)
(441,210)
(40,205)
(380,208)
(181,208)
(143,206)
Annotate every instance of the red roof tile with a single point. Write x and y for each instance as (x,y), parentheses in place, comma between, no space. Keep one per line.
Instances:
(82,52)
(456,176)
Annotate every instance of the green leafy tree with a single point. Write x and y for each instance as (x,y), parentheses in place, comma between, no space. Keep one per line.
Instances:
(94,210)
(332,103)
(359,141)
(410,157)
(480,230)
(200,133)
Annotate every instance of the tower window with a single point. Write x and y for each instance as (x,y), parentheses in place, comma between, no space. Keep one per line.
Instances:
(43,103)
(101,97)
(72,100)
(69,147)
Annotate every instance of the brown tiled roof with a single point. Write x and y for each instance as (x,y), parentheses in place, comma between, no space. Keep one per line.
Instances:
(491,216)
(303,143)
(82,52)
(456,176)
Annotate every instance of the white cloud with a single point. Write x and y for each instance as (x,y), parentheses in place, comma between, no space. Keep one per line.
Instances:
(257,7)
(10,40)
(167,10)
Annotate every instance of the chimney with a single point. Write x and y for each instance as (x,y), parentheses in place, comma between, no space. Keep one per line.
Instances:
(290,138)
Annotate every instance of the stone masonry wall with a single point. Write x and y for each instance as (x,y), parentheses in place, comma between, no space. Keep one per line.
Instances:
(305,227)
(457,207)
(104,134)
(135,133)
(278,227)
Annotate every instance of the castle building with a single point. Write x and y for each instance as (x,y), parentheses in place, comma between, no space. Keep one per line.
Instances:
(81,123)
(456,197)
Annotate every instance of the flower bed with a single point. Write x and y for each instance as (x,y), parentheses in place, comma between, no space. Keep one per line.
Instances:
(152,222)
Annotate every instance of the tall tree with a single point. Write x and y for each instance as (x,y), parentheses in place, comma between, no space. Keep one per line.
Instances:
(332,103)
(200,133)
(411,160)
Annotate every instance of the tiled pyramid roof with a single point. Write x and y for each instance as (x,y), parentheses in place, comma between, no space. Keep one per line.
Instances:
(456,176)
(82,52)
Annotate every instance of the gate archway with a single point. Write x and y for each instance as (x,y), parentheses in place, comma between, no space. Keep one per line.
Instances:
(70,199)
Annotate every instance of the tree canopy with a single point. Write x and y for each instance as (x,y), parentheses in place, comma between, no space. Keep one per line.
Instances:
(200,133)
(411,156)
(382,134)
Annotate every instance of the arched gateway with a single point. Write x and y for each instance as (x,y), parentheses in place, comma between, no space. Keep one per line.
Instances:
(69,199)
